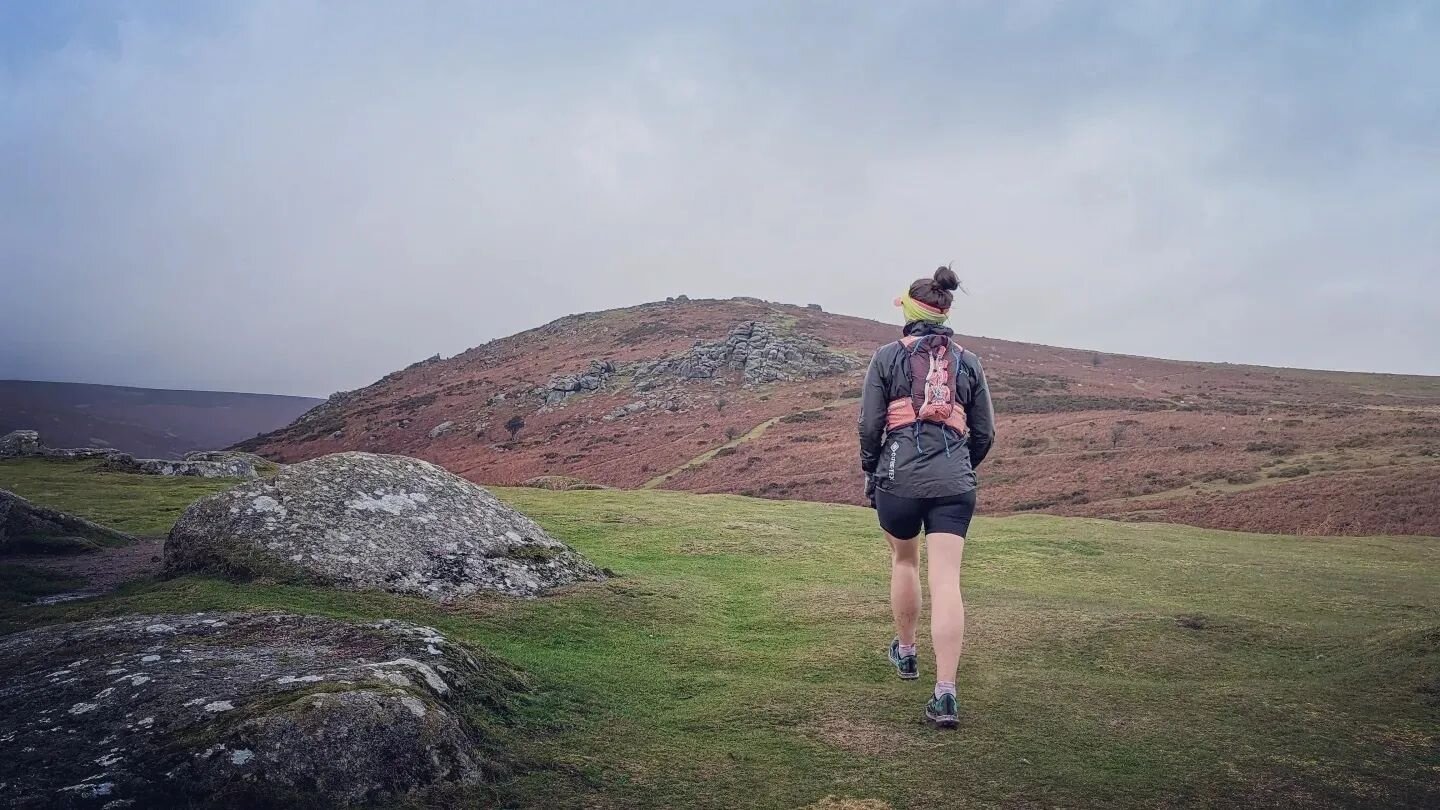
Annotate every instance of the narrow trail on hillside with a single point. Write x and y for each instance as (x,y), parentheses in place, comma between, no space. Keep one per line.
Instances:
(754,433)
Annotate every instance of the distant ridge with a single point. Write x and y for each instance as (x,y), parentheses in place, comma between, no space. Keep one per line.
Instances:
(149,422)
(756,398)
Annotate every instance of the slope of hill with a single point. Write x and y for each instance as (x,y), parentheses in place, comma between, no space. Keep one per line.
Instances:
(751,397)
(148,422)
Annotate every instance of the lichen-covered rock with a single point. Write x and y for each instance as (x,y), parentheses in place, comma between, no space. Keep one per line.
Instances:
(25,527)
(241,710)
(359,520)
(20,443)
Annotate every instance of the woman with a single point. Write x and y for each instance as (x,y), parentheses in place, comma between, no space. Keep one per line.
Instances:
(925,425)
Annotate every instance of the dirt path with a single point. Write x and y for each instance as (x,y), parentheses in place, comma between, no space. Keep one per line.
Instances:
(753,434)
(103,570)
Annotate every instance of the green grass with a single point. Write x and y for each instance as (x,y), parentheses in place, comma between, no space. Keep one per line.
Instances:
(146,505)
(737,661)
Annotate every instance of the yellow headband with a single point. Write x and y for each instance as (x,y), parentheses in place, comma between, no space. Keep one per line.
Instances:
(920,311)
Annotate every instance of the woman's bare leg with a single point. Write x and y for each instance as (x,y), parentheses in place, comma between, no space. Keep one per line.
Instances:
(905,587)
(947,606)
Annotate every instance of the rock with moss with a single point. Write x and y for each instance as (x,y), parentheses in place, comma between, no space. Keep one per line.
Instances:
(362,521)
(245,710)
(26,527)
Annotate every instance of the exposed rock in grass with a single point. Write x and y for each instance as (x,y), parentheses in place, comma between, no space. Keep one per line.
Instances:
(20,443)
(205,464)
(236,466)
(27,444)
(560,483)
(243,710)
(358,520)
(25,527)
(231,455)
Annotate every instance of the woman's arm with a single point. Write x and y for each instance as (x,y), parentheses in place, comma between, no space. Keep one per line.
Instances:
(979,416)
(873,407)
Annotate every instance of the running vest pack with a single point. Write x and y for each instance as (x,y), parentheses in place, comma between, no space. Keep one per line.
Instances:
(934,363)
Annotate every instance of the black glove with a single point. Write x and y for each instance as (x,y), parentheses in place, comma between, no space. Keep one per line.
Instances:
(870,491)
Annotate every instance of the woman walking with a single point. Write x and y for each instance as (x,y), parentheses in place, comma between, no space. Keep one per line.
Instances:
(925,424)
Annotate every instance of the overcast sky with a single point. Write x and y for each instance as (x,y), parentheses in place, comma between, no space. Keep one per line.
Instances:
(298,197)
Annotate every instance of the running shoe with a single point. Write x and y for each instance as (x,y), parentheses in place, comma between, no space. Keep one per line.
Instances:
(906,665)
(943,711)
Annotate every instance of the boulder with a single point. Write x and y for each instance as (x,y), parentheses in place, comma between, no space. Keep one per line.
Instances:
(25,527)
(243,710)
(19,443)
(359,520)
(238,466)
(228,455)
(561,483)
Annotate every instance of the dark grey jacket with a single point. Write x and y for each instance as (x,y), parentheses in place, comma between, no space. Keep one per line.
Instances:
(926,460)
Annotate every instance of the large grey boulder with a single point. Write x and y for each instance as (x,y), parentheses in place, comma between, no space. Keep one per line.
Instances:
(359,520)
(242,710)
(20,443)
(25,527)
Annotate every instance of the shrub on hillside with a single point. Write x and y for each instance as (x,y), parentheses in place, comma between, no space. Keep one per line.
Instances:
(802,417)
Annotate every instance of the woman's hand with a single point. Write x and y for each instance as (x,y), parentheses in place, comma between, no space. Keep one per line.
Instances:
(870,491)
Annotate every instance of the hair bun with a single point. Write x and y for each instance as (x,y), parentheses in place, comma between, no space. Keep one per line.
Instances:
(946,279)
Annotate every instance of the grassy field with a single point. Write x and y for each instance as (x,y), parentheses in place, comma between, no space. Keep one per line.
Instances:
(146,505)
(737,659)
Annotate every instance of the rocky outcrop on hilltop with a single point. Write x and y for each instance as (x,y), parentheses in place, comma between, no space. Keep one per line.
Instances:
(762,352)
(242,710)
(359,520)
(26,527)
(564,386)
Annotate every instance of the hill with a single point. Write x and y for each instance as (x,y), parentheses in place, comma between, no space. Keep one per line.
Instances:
(737,658)
(750,397)
(146,422)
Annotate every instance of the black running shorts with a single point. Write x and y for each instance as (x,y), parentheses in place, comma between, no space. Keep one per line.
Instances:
(904,517)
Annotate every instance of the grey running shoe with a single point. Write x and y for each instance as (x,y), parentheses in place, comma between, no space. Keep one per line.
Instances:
(906,665)
(943,711)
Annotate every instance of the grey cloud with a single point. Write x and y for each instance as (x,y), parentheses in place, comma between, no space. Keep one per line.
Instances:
(299,198)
